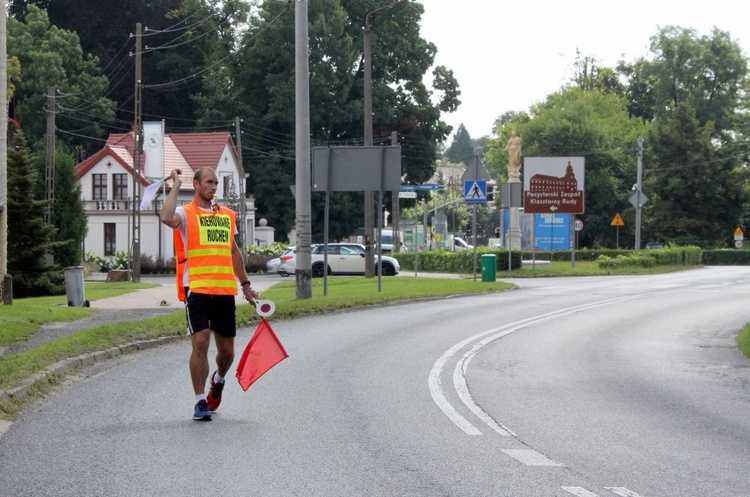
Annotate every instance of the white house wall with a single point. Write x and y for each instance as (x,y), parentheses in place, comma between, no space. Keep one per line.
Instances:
(156,239)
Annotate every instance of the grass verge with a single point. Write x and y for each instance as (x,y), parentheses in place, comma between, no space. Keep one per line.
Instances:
(743,340)
(21,320)
(342,293)
(584,268)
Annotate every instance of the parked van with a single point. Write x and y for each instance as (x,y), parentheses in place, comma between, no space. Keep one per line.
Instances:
(460,244)
(387,237)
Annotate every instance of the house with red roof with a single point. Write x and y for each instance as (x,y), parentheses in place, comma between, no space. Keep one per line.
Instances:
(107,179)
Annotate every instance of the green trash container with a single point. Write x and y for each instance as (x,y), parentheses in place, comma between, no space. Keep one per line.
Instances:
(489,267)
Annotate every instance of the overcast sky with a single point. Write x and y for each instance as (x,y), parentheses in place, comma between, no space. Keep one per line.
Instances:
(509,55)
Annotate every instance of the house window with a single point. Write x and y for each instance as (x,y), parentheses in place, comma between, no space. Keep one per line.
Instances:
(99,187)
(110,238)
(227,186)
(119,186)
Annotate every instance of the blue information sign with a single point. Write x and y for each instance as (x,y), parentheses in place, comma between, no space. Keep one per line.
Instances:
(420,187)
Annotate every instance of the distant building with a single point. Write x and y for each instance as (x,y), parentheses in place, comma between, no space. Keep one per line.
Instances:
(107,177)
(541,183)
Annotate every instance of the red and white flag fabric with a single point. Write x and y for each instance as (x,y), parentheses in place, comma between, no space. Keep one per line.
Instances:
(262,353)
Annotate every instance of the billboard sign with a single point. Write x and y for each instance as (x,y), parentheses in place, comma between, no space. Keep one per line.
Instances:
(553,185)
(552,232)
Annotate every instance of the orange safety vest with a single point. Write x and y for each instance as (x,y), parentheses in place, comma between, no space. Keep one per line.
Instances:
(209,250)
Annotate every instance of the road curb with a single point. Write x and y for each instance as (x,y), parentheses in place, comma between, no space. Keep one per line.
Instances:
(66,366)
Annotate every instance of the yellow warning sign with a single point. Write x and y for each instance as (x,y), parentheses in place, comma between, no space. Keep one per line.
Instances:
(738,232)
(617,221)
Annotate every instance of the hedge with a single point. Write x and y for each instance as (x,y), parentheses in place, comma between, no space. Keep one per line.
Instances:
(726,257)
(443,261)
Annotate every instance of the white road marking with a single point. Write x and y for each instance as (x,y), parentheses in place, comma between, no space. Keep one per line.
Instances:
(459,382)
(622,492)
(459,379)
(579,491)
(531,457)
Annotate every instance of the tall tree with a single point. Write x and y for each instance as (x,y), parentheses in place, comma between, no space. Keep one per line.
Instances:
(28,235)
(592,124)
(52,57)
(401,100)
(709,73)
(182,41)
(697,187)
(68,213)
(461,149)
(589,75)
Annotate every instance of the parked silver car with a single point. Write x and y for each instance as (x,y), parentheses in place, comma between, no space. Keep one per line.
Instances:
(273,265)
(343,259)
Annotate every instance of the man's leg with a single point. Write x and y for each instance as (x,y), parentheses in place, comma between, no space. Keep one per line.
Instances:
(224,359)
(224,353)
(199,360)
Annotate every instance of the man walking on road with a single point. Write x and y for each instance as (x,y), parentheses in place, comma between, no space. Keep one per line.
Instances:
(209,263)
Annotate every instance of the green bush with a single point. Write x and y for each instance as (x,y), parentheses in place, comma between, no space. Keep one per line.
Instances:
(726,257)
(119,261)
(442,261)
(671,256)
(273,250)
(158,266)
(258,257)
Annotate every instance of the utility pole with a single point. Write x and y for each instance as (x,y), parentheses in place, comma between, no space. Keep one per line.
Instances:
(395,206)
(135,258)
(639,192)
(243,206)
(6,290)
(370,195)
(303,271)
(49,169)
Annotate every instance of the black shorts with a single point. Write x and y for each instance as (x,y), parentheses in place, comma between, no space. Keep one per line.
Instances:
(216,312)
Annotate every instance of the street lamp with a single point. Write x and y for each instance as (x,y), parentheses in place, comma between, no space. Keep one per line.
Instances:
(369,195)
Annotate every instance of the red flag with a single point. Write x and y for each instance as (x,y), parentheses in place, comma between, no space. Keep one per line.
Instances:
(262,353)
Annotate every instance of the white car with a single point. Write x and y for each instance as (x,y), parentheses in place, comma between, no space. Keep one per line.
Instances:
(275,265)
(461,244)
(343,259)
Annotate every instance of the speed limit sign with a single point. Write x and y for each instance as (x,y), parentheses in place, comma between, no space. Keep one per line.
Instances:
(578,224)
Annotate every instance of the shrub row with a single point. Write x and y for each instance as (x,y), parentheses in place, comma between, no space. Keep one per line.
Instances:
(726,257)
(442,261)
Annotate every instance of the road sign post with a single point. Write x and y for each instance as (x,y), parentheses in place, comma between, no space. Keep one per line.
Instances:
(617,222)
(739,237)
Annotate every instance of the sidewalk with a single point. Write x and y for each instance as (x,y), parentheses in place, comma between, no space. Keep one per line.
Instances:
(164,296)
(140,304)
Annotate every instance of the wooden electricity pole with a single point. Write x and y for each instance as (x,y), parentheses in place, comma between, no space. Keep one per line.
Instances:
(135,255)
(6,291)
(49,164)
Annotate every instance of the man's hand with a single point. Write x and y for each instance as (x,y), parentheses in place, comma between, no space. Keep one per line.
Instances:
(250,294)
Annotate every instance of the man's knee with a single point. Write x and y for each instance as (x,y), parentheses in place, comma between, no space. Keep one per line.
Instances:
(201,340)
(224,345)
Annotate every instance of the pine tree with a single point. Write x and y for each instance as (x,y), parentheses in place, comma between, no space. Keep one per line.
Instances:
(28,235)
(461,150)
(68,214)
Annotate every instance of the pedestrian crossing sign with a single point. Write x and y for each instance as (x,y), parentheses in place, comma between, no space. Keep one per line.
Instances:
(475,192)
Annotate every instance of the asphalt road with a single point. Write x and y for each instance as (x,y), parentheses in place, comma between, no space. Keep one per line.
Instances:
(628,386)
